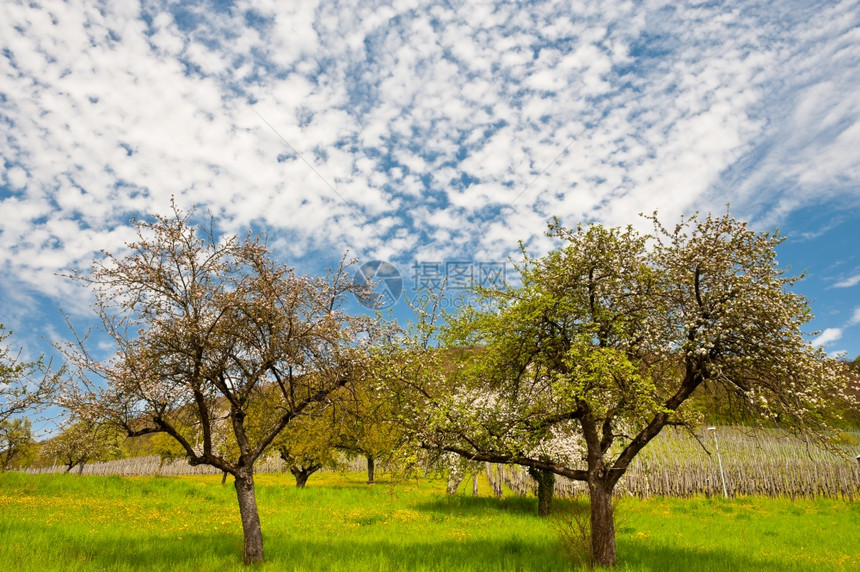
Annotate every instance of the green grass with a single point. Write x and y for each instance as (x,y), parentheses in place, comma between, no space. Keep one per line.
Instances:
(740,534)
(66,522)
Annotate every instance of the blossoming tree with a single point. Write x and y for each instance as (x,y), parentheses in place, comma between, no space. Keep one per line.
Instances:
(607,339)
(204,329)
(23,384)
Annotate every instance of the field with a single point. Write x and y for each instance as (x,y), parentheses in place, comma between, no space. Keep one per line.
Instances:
(70,522)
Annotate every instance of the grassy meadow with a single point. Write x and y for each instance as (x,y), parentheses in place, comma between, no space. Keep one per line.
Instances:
(69,522)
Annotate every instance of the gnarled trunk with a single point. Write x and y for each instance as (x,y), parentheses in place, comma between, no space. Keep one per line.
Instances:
(370,468)
(603,551)
(302,473)
(250,515)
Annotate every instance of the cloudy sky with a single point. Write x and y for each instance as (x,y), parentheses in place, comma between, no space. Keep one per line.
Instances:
(412,132)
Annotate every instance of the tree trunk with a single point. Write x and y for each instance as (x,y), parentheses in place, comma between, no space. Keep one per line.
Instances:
(474,484)
(495,481)
(302,474)
(546,487)
(454,480)
(602,525)
(370,468)
(301,478)
(250,516)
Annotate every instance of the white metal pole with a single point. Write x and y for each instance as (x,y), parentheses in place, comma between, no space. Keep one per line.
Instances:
(719,460)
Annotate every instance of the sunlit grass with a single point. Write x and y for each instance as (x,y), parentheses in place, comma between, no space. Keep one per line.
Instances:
(740,534)
(65,522)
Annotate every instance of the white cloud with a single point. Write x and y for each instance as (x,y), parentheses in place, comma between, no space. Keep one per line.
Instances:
(855,318)
(16,177)
(593,112)
(829,335)
(848,282)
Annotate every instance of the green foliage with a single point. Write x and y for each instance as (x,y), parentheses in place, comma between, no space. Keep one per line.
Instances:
(16,443)
(309,443)
(369,426)
(82,442)
(165,446)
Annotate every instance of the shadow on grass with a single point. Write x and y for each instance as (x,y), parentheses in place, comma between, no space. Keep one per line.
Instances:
(200,552)
(467,505)
(351,486)
(224,551)
(197,552)
(114,551)
(642,555)
(520,505)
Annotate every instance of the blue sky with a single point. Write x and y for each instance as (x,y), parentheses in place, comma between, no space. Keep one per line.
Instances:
(424,132)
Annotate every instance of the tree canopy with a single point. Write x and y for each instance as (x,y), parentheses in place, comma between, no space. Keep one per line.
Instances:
(23,384)
(578,368)
(208,328)
(16,441)
(84,441)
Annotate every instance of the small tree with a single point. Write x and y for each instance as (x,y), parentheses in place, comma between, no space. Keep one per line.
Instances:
(309,443)
(204,327)
(23,384)
(16,442)
(369,424)
(608,338)
(84,441)
(356,420)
